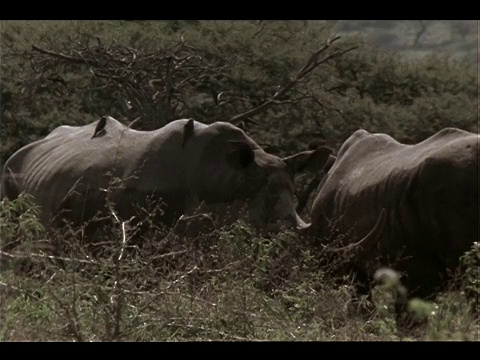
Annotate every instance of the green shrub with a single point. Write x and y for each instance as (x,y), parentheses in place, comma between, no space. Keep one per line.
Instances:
(19,220)
(470,263)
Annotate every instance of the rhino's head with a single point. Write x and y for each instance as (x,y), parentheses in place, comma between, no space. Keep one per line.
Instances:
(230,167)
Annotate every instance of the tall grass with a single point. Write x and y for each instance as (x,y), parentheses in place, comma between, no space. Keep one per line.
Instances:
(229,284)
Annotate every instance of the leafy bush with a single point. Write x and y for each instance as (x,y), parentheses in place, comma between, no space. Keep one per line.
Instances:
(19,220)
(470,263)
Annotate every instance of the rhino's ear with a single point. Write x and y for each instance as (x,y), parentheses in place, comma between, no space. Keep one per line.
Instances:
(311,160)
(187,131)
(240,155)
(331,160)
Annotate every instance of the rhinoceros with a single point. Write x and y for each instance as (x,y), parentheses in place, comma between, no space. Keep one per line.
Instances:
(429,193)
(76,171)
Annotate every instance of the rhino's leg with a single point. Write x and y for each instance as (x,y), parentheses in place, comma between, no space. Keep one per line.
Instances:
(192,204)
(194,225)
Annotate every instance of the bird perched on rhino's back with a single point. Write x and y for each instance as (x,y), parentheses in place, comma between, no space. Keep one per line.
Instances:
(182,165)
(100,128)
(430,193)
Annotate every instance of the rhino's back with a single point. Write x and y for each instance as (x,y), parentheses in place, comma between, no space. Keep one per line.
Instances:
(417,184)
(70,159)
(379,158)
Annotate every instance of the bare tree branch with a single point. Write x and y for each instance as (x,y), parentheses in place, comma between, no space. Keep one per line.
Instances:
(311,64)
(59,56)
(422,24)
(261,27)
(183,70)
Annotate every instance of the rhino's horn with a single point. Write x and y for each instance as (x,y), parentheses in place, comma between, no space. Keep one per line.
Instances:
(368,240)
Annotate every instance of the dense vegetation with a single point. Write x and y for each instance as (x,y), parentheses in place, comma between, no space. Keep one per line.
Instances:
(287,84)
(229,284)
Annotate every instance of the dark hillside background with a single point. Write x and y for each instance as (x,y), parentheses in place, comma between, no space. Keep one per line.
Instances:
(418,37)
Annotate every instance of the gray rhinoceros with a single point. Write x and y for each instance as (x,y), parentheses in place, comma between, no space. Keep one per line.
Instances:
(428,191)
(77,171)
